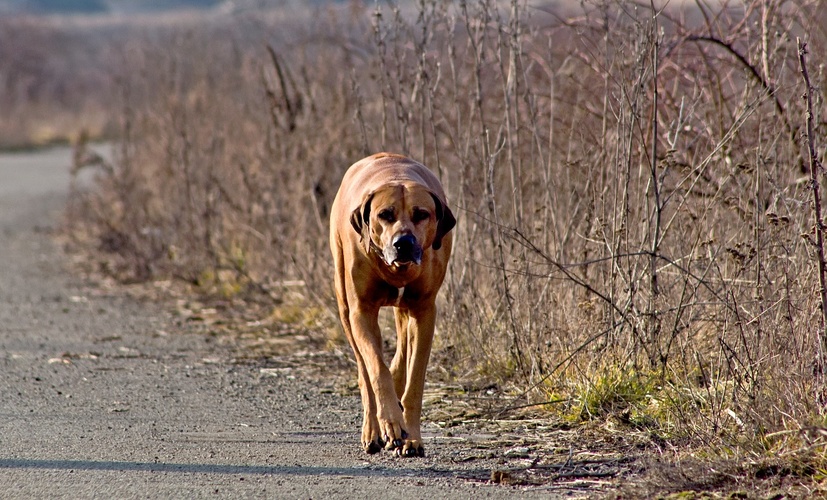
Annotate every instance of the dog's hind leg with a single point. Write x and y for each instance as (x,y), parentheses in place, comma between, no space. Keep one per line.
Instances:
(399,364)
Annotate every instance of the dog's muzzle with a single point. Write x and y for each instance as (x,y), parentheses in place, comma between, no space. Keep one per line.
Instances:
(404,249)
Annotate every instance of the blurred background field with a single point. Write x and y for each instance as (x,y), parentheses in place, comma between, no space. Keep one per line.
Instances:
(636,240)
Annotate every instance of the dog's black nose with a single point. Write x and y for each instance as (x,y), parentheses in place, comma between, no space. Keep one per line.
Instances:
(405,243)
(405,249)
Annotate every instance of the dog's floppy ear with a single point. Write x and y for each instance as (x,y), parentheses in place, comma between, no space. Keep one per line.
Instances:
(360,216)
(445,221)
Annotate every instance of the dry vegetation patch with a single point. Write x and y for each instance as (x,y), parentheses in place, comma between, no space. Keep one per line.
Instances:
(636,243)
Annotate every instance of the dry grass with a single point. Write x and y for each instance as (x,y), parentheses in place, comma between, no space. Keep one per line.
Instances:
(635,220)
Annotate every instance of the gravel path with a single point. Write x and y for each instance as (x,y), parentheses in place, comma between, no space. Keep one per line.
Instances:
(101,396)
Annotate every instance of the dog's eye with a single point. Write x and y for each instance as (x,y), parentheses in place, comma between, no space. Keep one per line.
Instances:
(420,215)
(386,215)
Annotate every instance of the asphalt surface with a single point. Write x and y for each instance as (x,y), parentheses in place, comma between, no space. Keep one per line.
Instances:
(101,396)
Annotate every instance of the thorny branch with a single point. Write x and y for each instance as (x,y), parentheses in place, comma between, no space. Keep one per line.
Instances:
(815,168)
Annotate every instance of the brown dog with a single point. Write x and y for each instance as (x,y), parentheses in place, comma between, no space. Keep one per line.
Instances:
(389,234)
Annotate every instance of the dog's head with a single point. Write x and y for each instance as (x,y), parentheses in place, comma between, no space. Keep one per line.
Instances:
(401,221)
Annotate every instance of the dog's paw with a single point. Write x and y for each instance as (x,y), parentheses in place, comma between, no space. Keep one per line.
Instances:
(373,447)
(371,436)
(411,448)
(397,442)
(391,425)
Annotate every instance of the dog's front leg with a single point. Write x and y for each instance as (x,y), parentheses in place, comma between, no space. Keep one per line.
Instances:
(371,435)
(366,336)
(420,333)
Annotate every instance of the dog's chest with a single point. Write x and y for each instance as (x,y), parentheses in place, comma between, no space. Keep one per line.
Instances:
(392,297)
(400,292)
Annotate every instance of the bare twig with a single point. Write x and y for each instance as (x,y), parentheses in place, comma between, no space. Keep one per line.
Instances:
(815,169)
(769,89)
(654,290)
(290,105)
